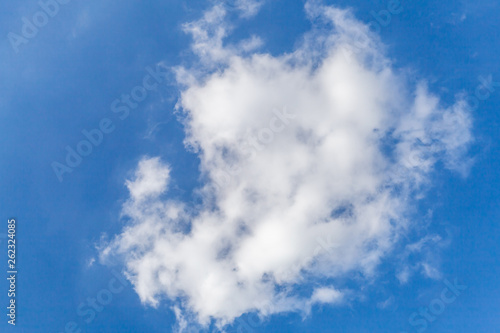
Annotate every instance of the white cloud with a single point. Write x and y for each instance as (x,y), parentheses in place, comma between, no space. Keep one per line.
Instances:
(248,8)
(151,179)
(208,35)
(317,144)
(326,295)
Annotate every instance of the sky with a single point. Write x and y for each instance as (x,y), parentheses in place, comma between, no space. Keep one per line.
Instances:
(251,165)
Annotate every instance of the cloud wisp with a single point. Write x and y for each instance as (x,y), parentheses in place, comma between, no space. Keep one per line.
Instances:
(321,146)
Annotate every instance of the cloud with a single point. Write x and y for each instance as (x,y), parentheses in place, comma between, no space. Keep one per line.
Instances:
(326,295)
(90,262)
(151,179)
(208,35)
(422,256)
(328,142)
(248,8)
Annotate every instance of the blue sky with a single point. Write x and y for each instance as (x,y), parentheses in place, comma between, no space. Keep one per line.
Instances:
(72,240)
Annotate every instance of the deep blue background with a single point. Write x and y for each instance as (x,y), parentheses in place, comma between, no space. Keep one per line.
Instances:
(64,80)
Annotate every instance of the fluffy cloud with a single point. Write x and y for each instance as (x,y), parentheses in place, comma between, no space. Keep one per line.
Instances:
(310,161)
(151,179)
